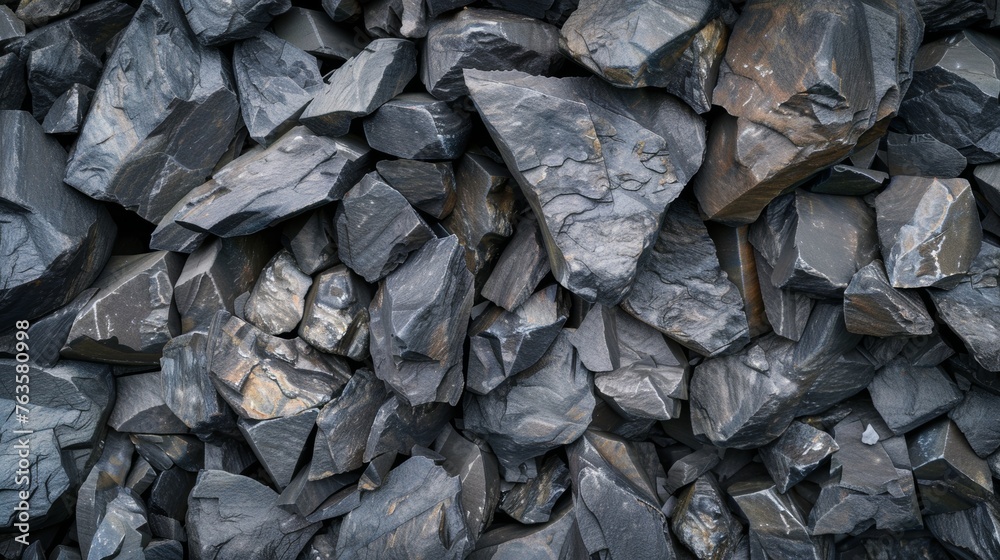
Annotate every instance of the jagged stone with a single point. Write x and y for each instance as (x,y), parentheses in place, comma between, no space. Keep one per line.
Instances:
(132,316)
(559,538)
(701,521)
(988,180)
(869,436)
(797,453)
(55,240)
(694,75)
(908,396)
(304,496)
(477,470)
(787,311)
(13,83)
(48,335)
(940,15)
(168,496)
(312,239)
(277,301)
(141,477)
(216,23)
(362,85)
(688,468)
(922,155)
(140,407)
(596,339)
(164,549)
(54,69)
(123,529)
(976,417)
(828,360)
(11,26)
(484,212)
(396,18)
(275,80)
(230,455)
(738,261)
(264,377)
(532,502)
(37,13)
(344,424)
(847,180)
(313,32)
(376,471)
(418,126)
(377,228)
(339,504)
(949,474)
(873,307)
(340,10)
(163,452)
(336,314)
(147,149)
(969,533)
(398,427)
(427,186)
(94,26)
(521,266)
(66,114)
(777,524)
(279,442)
(108,473)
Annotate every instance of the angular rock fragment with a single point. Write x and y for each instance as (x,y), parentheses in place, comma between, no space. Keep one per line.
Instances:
(107,475)
(140,407)
(11,26)
(929,230)
(163,452)
(532,501)
(778,525)
(376,471)
(787,311)
(141,477)
(939,15)
(828,360)
(299,172)
(908,396)
(596,339)
(230,455)
(949,474)
(361,85)
(279,442)
(277,301)
(377,228)
(797,453)
(217,23)
(484,210)
(66,114)
(396,18)
(146,149)
(13,86)
(521,266)
(123,529)
(702,522)
(313,32)
(132,316)
(738,261)
(37,13)
(688,468)
(427,186)
(55,240)
(577,176)
(265,377)
(693,76)
(418,126)
(537,410)
(312,240)
(476,469)
(48,335)
(923,155)
(847,180)
(398,427)
(873,307)
(419,321)
(559,538)
(344,424)
(969,533)
(94,26)
(336,314)
(275,81)
(232,516)
(976,417)
(340,10)
(54,69)
(485,40)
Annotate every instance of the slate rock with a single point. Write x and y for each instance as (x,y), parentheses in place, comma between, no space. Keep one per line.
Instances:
(694,75)
(275,80)
(777,524)
(481,39)
(477,471)
(738,261)
(976,417)
(265,377)
(988,180)
(377,228)
(277,301)
(636,43)
(361,85)
(254,192)
(336,314)
(55,240)
(485,209)
(427,186)
(688,468)
(37,13)
(929,230)
(829,361)
(52,70)
(398,427)
(66,114)
(166,451)
(132,316)
(313,32)
(123,529)
(537,410)
(532,502)
(418,324)
(340,10)
(48,334)
(231,516)
(520,267)
(557,539)
(797,453)
(376,471)
(418,126)
(970,533)
(847,180)
(940,16)
(141,477)
(873,307)
(13,83)
(11,26)
(396,18)
(216,24)
(596,339)
(279,443)
(702,522)
(950,95)
(94,26)
(343,426)
(908,396)
(108,473)
(230,455)
(923,155)
(577,180)
(312,239)
(163,549)
(787,311)
(170,130)
(140,407)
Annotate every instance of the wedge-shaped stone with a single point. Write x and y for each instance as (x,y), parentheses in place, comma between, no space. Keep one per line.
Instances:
(94,26)
(702,522)
(313,32)
(873,307)
(48,334)
(941,15)
(585,188)
(778,524)
(427,186)
(167,451)
(140,407)
(596,339)
(923,155)
(278,299)
(11,26)
(398,427)
(396,18)
(559,538)
(37,13)
(532,501)
(153,133)
(971,532)
(484,213)
(279,443)
(521,266)
(418,126)
(217,23)
(123,527)
(949,474)
(688,468)
(694,75)
(187,387)
(477,470)
(908,396)
(797,453)
(312,239)
(52,70)
(336,314)
(738,261)
(66,114)
(13,86)
(976,417)
(344,424)
(847,180)
(787,311)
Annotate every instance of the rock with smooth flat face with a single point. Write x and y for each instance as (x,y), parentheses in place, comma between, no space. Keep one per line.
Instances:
(827,360)
(187,387)
(166,451)
(312,239)
(787,311)
(343,426)
(108,473)
(737,260)
(976,417)
(972,532)
(702,522)
(11,26)
(683,292)
(377,228)
(52,70)
(140,407)
(418,126)
(13,84)
(48,334)
(340,10)
(396,18)
(123,528)
(559,539)
(427,186)
(521,266)
(596,339)
(132,315)
(37,13)
(313,32)
(847,180)
(988,180)
(265,377)
(908,396)
(636,43)
(949,475)
(419,318)
(797,453)
(477,470)
(278,443)
(336,314)
(66,114)
(923,155)
(954,94)
(778,525)
(55,240)
(94,26)
(481,39)
(153,133)
(580,180)
(929,229)
(278,299)
(233,516)
(873,307)
(531,502)
(398,427)
(218,23)
(688,468)
(485,209)
(299,172)
(362,85)
(537,410)
(275,80)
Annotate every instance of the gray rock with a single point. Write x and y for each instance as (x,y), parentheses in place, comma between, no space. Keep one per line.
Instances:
(11,26)
(520,267)
(427,186)
(305,497)
(48,334)
(230,455)
(419,321)
(929,230)
(596,339)
(132,316)
(559,539)
(485,209)
(827,360)
(787,311)
(537,410)
(63,552)
(275,80)
(162,549)
(216,23)
(398,427)
(141,477)
(797,453)
(13,83)
(738,261)
(376,471)
(970,533)
(340,10)
(869,436)
(37,13)
(55,240)
(923,155)
(313,32)
(988,180)
(54,69)
(123,528)
(847,180)
(481,39)
(232,516)
(66,114)
(279,443)
(927,350)
(688,468)
(94,26)
(940,15)
(694,75)
(265,377)
(177,125)
(702,522)
(949,474)
(362,85)
(336,314)
(106,476)
(255,191)
(908,396)
(164,452)
(477,470)
(578,180)
(278,299)
(873,307)
(312,239)
(396,18)
(377,228)
(418,126)
(344,424)
(140,407)
(532,502)
(777,524)
(976,417)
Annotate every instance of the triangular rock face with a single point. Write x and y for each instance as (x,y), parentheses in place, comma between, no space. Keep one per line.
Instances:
(598,166)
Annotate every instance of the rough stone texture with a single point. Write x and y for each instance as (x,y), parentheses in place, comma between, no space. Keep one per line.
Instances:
(976,417)
(908,396)
(398,427)
(37,13)
(521,266)
(48,334)
(558,539)
(340,10)
(123,527)
(108,473)
(970,533)
(140,408)
(11,26)
(847,180)
(579,178)
(787,311)
(275,80)
(66,114)
(94,26)
(377,228)
(688,468)
(532,501)
(738,261)
(343,426)
(797,453)
(929,230)
(427,186)
(778,525)
(702,522)
(278,443)
(596,339)
(694,75)
(873,307)
(949,474)
(396,18)
(278,299)
(13,85)
(52,70)
(362,85)
(418,126)
(481,39)
(187,386)
(477,470)
(218,23)
(55,240)
(153,133)
(941,15)
(313,32)
(336,314)
(132,315)
(312,239)
(923,155)
(484,212)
